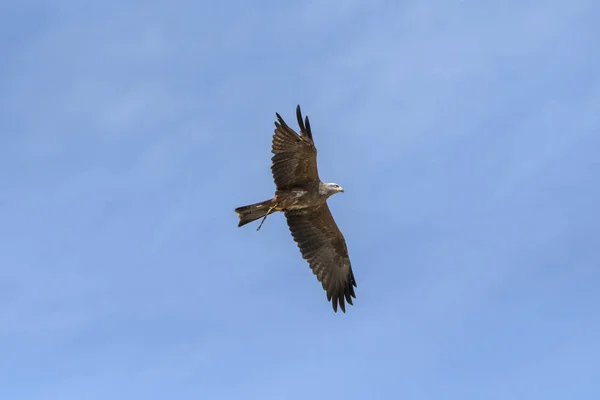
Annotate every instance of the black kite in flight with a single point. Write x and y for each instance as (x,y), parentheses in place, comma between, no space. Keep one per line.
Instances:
(302,197)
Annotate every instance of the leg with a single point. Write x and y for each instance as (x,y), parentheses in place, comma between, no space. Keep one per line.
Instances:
(265,217)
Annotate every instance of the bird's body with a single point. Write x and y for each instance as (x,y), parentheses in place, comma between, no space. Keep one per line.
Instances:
(302,197)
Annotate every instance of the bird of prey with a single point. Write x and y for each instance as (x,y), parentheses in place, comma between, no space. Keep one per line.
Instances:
(302,197)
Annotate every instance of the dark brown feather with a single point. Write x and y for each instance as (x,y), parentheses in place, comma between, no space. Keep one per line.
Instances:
(322,244)
(304,127)
(294,161)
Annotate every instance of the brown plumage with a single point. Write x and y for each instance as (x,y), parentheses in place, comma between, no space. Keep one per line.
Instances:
(295,156)
(302,197)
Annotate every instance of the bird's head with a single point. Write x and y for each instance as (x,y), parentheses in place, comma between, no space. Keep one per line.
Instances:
(334,188)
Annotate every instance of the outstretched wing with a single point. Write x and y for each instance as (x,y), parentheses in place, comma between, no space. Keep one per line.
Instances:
(322,244)
(295,156)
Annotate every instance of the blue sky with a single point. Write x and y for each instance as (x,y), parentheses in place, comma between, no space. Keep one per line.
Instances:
(466,135)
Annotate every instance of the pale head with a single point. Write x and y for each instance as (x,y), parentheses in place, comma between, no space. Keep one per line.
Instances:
(328,189)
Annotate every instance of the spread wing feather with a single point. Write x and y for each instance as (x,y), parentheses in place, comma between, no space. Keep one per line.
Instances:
(295,157)
(323,246)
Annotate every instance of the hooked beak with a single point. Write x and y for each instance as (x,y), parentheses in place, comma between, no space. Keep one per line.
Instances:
(341,189)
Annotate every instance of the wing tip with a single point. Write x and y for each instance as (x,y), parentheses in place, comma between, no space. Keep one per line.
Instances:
(339,297)
(279,120)
(304,124)
(299,118)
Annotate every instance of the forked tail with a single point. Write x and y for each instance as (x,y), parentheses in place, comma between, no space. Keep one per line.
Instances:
(254,211)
